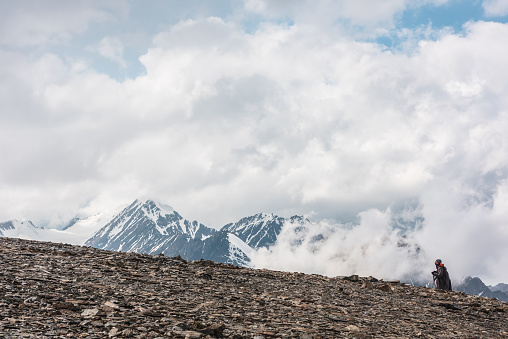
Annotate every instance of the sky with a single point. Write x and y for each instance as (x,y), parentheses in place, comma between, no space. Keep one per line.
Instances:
(351,111)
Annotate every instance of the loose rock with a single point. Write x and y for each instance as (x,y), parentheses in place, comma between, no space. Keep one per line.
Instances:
(52,290)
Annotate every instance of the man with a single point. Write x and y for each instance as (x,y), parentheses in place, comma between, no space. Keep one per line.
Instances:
(441,277)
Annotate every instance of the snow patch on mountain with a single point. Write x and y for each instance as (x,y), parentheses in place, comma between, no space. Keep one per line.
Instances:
(234,240)
(83,229)
(21,229)
(77,234)
(239,251)
(154,211)
(191,228)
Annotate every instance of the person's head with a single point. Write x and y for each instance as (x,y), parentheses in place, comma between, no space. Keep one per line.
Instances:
(438,262)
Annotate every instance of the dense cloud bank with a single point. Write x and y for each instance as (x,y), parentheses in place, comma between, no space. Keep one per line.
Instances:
(265,106)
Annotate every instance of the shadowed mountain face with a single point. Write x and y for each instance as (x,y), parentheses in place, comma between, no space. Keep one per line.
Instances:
(474,285)
(58,290)
(500,287)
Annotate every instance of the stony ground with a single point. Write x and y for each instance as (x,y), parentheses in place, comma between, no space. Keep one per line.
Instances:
(52,290)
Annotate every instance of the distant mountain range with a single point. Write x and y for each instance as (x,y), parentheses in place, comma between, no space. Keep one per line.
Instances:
(154,228)
(475,286)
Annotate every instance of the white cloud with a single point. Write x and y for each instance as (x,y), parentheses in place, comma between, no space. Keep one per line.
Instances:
(364,12)
(330,125)
(28,23)
(495,8)
(111,48)
(370,248)
(472,88)
(367,11)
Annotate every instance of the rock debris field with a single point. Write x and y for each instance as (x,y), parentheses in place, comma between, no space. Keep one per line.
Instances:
(50,290)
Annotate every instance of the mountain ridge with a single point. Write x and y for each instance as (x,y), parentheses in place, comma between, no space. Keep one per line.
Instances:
(475,286)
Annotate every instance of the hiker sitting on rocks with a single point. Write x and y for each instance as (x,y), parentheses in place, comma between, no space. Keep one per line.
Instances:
(441,277)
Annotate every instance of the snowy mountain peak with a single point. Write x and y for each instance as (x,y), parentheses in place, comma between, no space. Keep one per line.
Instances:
(259,230)
(14,223)
(19,229)
(8,225)
(147,226)
(260,219)
(155,208)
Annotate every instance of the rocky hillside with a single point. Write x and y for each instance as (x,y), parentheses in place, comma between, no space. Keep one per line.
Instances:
(52,290)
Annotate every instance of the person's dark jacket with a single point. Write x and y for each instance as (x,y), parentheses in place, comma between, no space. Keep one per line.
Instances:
(442,278)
